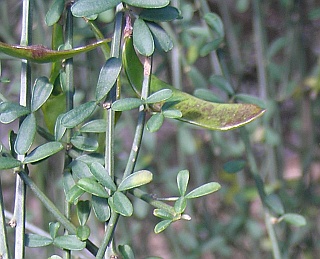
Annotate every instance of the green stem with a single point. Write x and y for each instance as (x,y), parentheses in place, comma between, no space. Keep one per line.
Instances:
(54,210)
(4,245)
(69,103)
(110,134)
(260,187)
(19,217)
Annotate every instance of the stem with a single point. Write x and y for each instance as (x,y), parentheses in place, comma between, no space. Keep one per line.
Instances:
(25,97)
(4,245)
(260,187)
(110,134)
(54,210)
(69,104)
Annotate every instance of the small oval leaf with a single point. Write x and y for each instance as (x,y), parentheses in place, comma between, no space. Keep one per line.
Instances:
(142,38)
(162,39)
(148,3)
(101,208)
(26,134)
(92,186)
(294,219)
(162,225)
(40,93)
(203,190)
(8,163)
(164,14)
(163,214)
(107,77)
(80,169)
(85,143)
(155,122)
(78,115)
(126,104)
(83,211)
(10,111)
(54,13)
(94,126)
(74,193)
(84,8)
(126,252)
(42,152)
(182,181)
(136,179)
(222,84)
(234,166)
(215,23)
(121,204)
(159,96)
(172,114)
(100,173)
(53,229)
(69,242)
(35,240)
(83,232)
(180,205)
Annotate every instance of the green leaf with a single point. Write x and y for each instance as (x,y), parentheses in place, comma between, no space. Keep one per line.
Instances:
(83,232)
(148,3)
(294,219)
(159,96)
(215,23)
(80,169)
(8,163)
(59,130)
(172,114)
(142,38)
(121,204)
(40,93)
(180,205)
(203,190)
(162,39)
(78,115)
(41,54)
(101,208)
(234,166)
(69,242)
(182,181)
(100,173)
(26,134)
(94,126)
(53,229)
(10,111)
(108,77)
(52,109)
(162,225)
(42,152)
(85,143)
(155,122)
(92,186)
(126,252)
(214,116)
(35,240)
(134,180)
(164,14)
(83,8)
(83,211)
(210,46)
(163,214)
(222,84)
(126,104)
(55,257)
(55,12)
(67,181)
(74,193)
(274,203)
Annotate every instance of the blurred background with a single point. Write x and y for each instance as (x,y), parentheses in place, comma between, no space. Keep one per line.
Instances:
(270,56)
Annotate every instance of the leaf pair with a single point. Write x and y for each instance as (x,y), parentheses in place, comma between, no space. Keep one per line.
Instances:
(181,203)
